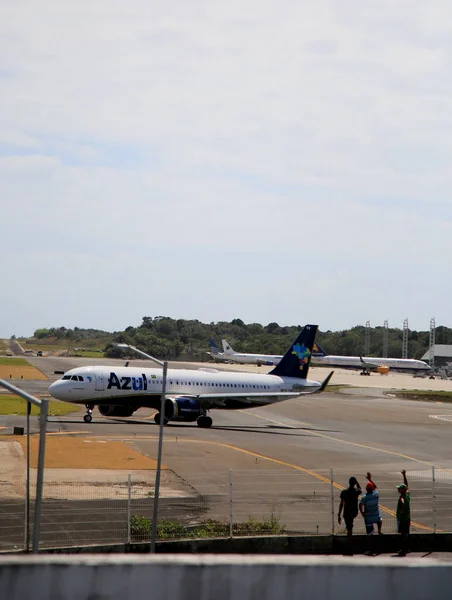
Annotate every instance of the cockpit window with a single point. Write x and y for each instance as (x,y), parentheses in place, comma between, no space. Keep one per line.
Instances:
(74,378)
(80,378)
(67,377)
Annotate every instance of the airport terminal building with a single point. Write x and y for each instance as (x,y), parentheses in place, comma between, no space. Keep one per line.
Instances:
(442,354)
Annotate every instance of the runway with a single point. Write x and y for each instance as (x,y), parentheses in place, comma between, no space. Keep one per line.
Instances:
(343,429)
(282,455)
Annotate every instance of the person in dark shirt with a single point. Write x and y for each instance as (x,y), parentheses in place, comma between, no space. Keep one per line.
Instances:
(403,514)
(349,504)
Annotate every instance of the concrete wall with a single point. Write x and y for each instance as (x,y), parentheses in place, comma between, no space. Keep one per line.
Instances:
(284,544)
(233,577)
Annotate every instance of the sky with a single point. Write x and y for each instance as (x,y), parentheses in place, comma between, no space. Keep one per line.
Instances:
(271,161)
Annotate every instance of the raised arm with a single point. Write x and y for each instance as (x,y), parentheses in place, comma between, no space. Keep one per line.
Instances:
(369,478)
(405,480)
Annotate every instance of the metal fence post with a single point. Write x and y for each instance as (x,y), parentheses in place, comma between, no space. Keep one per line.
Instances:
(332,501)
(44,408)
(231,523)
(433,499)
(27,483)
(40,474)
(129,508)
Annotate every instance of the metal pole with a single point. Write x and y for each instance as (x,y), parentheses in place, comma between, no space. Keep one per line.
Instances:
(129,511)
(40,475)
(432,343)
(433,499)
(159,460)
(27,484)
(332,501)
(231,528)
(405,335)
(385,338)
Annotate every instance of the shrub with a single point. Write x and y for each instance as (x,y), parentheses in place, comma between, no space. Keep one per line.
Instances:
(254,527)
(171,529)
(141,528)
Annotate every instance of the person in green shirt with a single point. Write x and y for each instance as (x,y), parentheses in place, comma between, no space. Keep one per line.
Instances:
(403,514)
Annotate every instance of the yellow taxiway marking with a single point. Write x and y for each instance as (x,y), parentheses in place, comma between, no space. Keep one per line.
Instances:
(270,459)
(230,447)
(54,433)
(334,439)
(337,485)
(66,433)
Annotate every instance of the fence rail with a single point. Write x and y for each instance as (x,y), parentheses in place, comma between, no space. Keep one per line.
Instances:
(220,504)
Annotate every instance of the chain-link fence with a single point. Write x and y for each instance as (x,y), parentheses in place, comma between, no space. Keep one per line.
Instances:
(223,504)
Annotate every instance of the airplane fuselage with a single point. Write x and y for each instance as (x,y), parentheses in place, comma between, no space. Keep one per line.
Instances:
(342,362)
(103,384)
(356,362)
(253,359)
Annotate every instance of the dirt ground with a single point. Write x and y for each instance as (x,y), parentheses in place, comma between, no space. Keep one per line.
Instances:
(67,452)
(67,478)
(20,372)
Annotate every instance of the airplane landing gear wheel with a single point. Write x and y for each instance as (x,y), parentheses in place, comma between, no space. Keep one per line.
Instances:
(89,413)
(204,422)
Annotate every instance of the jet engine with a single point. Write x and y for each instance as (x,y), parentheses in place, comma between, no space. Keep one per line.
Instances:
(114,410)
(182,409)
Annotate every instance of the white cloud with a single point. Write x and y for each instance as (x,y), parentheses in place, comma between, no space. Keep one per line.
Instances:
(312,137)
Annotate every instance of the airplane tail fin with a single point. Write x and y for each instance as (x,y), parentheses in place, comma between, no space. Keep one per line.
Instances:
(227,348)
(295,362)
(214,348)
(318,350)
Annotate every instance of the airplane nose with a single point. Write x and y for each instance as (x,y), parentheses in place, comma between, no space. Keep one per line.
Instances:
(53,388)
(57,390)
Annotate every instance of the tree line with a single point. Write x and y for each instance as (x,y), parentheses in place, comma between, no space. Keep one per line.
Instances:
(170,339)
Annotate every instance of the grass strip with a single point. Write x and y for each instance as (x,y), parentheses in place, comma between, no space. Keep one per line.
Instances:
(14,405)
(13,362)
(424,395)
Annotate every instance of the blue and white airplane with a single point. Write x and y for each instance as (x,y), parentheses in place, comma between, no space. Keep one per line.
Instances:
(216,353)
(249,359)
(120,391)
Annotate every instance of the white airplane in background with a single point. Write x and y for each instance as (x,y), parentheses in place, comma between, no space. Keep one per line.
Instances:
(120,391)
(367,364)
(321,359)
(249,359)
(216,353)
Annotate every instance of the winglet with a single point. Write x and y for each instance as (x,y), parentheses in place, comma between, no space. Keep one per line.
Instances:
(325,382)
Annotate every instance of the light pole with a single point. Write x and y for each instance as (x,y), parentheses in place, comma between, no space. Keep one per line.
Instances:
(159,461)
(160,445)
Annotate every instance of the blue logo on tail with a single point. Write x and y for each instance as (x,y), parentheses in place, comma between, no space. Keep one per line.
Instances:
(303,354)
